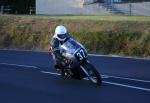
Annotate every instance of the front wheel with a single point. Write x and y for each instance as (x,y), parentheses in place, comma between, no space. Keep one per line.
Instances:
(92,74)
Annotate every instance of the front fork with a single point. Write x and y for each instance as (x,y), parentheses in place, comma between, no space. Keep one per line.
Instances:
(83,69)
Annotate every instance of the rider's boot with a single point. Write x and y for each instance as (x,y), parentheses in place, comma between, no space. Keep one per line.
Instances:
(61,70)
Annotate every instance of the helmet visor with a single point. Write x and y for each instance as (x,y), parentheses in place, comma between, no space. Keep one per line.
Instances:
(61,36)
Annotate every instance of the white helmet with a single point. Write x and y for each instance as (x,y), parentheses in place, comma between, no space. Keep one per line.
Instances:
(60,32)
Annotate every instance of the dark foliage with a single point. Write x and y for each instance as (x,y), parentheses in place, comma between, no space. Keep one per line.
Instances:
(18,6)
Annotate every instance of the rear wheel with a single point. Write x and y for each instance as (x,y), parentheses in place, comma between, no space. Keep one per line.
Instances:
(92,74)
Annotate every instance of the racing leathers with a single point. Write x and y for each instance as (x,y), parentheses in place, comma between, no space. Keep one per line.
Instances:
(58,58)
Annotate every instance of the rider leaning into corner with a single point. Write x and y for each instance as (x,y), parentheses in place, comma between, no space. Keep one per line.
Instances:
(60,36)
(59,39)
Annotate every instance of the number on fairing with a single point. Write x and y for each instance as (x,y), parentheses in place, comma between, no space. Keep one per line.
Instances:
(81,54)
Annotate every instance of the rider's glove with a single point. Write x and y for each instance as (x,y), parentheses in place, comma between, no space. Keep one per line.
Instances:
(50,51)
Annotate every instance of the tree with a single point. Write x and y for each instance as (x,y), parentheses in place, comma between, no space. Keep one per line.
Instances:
(18,6)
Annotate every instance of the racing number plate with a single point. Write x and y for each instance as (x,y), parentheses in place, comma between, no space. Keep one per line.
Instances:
(80,54)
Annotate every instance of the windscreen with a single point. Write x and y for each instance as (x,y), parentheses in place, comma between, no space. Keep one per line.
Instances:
(71,46)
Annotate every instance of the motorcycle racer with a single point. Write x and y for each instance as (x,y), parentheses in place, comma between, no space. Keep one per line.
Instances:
(71,57)
(60,36)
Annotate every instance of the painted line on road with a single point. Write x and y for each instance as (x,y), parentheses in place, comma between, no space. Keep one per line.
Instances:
(117,56)
(50,73)
(104,76)
(138,80)
(18,65)
(99,55)
(117,84)
(57,74)
(128,86)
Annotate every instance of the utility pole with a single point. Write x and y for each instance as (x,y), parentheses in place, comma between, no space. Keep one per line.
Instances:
(2,9)
(130,8)
(31,10)
(149,9)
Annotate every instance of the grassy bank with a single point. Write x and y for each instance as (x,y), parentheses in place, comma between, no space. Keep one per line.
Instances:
(121,35)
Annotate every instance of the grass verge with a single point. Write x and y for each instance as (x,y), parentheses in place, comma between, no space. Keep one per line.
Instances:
(121,35)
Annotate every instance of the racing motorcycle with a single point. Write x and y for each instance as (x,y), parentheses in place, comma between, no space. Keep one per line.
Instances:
(78,66)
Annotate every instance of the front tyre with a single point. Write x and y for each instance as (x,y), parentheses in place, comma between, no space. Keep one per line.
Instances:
(92,74)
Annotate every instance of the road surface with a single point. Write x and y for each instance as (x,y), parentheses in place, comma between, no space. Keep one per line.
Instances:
(29,77)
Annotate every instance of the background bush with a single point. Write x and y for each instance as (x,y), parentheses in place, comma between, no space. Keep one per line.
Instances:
(125,37)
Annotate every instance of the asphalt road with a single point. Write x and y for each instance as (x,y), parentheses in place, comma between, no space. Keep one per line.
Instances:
(29,77)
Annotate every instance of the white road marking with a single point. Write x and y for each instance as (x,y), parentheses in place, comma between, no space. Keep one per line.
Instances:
(138,80)
(57,74)
(60,74)
(18,65)
(117,84)
(50,73)
(117,56)
(128,86)
(104,76)
(113,56)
